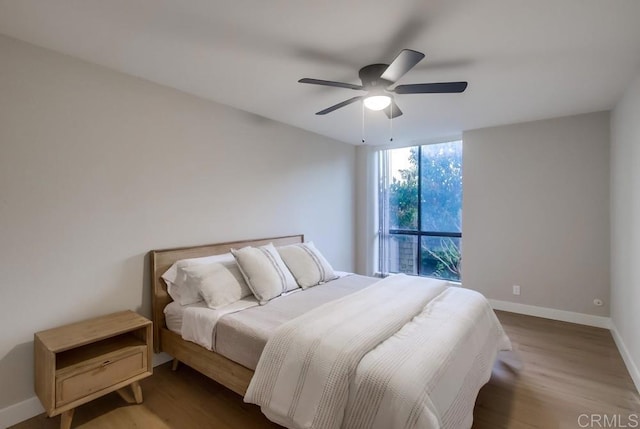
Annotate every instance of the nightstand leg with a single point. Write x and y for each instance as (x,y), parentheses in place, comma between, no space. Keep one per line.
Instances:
(174,364)
(65,419)
(137,392)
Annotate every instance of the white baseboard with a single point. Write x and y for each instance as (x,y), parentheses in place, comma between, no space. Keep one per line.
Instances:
(20,412)
(552,313)
(626,356)
(31,407)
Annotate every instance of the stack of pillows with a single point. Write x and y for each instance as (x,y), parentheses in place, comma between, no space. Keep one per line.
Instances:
(266,272)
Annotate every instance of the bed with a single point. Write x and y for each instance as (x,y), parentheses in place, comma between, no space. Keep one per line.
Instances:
(298,385)
(215,366)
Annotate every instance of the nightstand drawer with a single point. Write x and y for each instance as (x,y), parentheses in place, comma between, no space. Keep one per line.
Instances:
(80,380)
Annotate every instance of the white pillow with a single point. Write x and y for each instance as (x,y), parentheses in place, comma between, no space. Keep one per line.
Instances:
(175,277)
(265,272)
(307,264)
(219,284)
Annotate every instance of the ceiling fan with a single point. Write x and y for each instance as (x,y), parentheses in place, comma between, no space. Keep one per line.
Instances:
(377,79)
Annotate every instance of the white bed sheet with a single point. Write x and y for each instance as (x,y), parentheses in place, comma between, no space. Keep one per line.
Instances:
(201,320)
(173,315)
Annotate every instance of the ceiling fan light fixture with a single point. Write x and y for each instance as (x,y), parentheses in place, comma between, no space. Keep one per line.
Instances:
(378,80)
(377,102)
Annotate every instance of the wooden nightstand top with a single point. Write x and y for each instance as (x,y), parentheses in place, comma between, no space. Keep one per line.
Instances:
(89,331)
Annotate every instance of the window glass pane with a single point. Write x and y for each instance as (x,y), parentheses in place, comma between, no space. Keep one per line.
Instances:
(441,187)
(440,257)
(425,200)
(403,254)
(403,188)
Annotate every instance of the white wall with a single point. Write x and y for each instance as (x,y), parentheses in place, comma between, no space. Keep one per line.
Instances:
(97,168)
(625,227)
(536,212)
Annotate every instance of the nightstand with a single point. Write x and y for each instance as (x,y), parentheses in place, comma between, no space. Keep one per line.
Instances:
(77,363)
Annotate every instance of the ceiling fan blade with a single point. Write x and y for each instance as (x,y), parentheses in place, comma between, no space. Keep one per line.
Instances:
(339,105)
(330,83)
(404,62)
(392,110)
(431,88)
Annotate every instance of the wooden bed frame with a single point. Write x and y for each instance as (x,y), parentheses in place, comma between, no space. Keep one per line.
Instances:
(217,367)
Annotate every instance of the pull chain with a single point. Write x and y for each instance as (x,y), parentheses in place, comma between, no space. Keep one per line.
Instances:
(391,123)
(362,122)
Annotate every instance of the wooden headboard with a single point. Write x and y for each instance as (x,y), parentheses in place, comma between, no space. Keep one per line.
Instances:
(161,260)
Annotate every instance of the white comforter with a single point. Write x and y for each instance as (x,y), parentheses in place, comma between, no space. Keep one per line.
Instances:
(406,352)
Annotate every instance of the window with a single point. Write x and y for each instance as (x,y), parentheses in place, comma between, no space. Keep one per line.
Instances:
(421,210)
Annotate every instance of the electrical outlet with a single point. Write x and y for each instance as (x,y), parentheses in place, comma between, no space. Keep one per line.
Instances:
(516,289)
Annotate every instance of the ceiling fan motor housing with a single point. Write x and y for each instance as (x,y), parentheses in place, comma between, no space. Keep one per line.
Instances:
(370,76)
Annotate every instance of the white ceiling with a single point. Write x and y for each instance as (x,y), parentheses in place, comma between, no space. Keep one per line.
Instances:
(523,59)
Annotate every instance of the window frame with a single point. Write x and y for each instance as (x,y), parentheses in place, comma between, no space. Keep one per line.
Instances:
(419,232)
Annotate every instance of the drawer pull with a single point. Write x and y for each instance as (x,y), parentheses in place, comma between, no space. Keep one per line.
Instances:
(105,363)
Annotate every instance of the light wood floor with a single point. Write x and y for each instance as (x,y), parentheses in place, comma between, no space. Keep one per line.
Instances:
(556,372)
